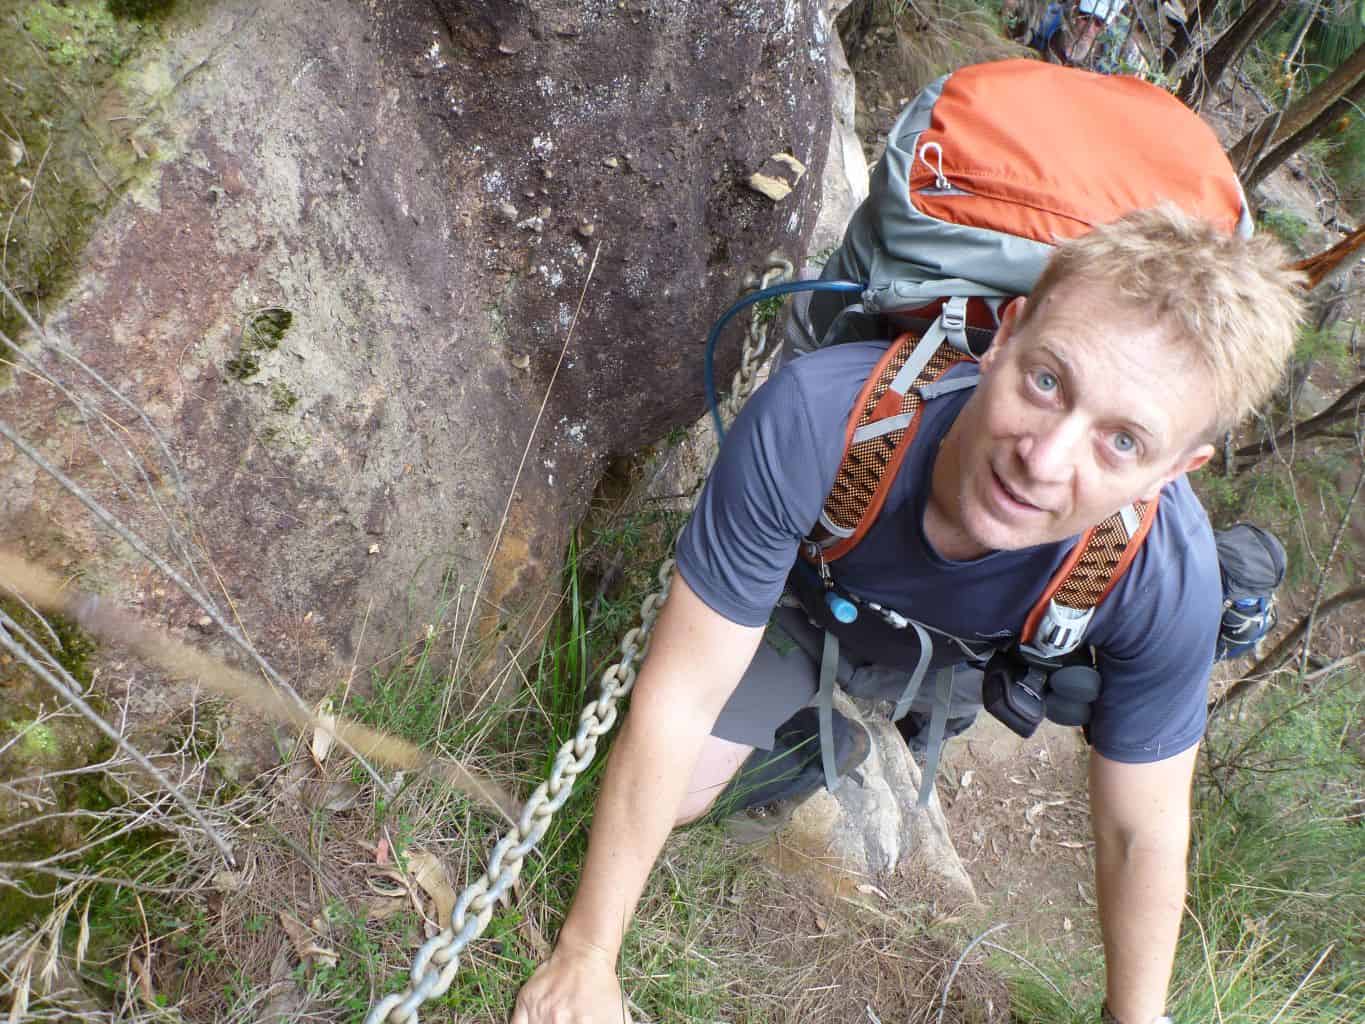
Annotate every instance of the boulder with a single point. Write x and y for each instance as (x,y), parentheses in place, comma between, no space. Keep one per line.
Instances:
(870,828)
(393,281)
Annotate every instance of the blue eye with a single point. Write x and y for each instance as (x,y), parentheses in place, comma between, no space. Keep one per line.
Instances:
(1125,443)
(1045,380)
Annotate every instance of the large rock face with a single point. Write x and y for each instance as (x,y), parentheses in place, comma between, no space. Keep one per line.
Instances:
(347,261)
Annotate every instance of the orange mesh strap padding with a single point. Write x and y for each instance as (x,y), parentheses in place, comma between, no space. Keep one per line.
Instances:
(869,467)
(1095,565)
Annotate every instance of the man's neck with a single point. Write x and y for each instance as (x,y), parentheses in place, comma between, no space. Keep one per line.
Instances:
(942,515)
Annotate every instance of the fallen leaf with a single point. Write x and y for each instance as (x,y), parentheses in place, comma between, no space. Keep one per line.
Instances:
(381,908)
(321,955)
(967,777)
(820,921)
(1066,924)
(144,978)
(429,872)
(535,938)
(397,889)
(381,852)
(1031,815)
(227,881)
(300,937)
(334,795)
(324,737)
(868,889)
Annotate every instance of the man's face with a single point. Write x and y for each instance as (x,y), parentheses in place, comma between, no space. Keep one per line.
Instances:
(1084,409)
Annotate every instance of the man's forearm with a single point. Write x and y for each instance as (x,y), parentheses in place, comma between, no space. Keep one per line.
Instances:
(1141,894)
(643,788)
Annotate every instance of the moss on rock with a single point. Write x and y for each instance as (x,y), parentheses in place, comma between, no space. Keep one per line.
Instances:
(65,155)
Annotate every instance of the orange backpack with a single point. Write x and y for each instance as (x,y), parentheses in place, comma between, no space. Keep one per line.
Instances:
(983,174)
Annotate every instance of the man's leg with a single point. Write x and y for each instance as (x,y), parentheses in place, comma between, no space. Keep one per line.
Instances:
(719,761)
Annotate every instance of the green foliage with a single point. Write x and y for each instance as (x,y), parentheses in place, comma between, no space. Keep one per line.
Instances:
(1287,226)
(1278,862)
(59,167)
(140,10)
(1327,347)
(1277,873)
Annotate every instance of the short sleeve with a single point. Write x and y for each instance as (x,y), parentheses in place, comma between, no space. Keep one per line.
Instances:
(1161,624)
(763,496)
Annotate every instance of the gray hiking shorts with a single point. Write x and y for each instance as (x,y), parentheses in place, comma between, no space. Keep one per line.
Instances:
(784,677)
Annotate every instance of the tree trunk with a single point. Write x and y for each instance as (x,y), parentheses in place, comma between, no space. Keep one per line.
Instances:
(1301,114)
(1204,77)
(1291,144)
(1197,22)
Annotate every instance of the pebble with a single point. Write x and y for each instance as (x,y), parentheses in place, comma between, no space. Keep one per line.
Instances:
(507,212)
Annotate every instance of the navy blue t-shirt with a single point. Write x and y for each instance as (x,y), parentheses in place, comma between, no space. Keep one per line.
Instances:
(1154,634)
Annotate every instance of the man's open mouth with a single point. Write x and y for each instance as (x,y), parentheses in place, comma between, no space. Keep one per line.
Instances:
(1014,495)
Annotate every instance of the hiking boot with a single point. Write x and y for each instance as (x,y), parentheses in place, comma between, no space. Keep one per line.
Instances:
(914,729)
(772,783)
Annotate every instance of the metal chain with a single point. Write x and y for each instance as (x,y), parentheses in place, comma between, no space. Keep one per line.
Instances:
(438,960)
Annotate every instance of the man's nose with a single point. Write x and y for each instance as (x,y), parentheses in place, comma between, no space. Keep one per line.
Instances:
(1052,450)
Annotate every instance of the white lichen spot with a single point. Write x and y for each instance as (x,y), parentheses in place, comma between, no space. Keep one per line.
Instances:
(565,315)
(793,222)
(542,147)
(577,433)
(637,277)
(552,275)
(433,55)
(494,183)
(546,85)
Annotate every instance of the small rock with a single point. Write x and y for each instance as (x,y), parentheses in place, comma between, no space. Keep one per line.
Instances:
(778,176)
(612,162)
(522,362)
(544,212)
(507,212)
(586,229)
(374,549)
(514,41)
(203,622)
(774,188)
(227,881)
(15,152)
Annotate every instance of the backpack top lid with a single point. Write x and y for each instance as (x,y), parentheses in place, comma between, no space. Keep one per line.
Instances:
(994,164)
(1252,561)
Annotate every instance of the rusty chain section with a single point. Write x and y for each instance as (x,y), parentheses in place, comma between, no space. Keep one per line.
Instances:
(438,960)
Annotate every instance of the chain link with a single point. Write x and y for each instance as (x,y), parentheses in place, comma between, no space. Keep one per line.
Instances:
(438,960)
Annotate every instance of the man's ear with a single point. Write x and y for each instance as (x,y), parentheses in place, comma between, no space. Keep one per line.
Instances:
(1010,315)
(1188,464)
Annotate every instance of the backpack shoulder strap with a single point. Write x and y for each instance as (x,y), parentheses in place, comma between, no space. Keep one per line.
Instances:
(1057,623)
(883,425)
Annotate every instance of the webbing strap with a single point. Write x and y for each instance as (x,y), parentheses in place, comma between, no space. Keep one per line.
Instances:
(919,358)
(911,691)
(938,388)
(938,725)
(954,320)
(829,666)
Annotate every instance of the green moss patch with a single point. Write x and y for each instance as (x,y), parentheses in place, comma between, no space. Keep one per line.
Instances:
(64,151)
(262,332)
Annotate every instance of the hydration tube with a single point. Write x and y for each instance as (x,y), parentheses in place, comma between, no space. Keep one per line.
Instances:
(767,293)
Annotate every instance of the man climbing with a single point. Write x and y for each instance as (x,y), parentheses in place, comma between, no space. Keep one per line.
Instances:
(1142,341)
